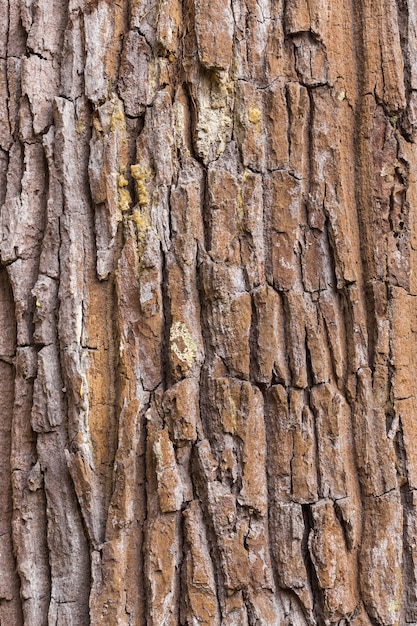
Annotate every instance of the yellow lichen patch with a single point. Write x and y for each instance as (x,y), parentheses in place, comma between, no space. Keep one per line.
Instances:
(341,96)
(136,170)
(117,119)
(254,116)
(122,181)
(145,233)
(125,200)
(79,125)
(182,344)
(141,174)
(142,222)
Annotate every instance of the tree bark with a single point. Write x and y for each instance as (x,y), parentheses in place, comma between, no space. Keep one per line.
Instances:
(207,312)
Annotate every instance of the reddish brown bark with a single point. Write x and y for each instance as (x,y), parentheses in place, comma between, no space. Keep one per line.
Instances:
(207,313)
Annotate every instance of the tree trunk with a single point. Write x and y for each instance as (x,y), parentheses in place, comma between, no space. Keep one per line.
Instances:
(208,313)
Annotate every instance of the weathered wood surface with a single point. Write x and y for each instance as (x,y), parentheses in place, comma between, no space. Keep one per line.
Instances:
(208,312)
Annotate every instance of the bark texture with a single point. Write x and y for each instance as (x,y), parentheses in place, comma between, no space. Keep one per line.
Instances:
(208,312)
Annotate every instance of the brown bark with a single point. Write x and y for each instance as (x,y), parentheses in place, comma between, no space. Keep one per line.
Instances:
(207,313)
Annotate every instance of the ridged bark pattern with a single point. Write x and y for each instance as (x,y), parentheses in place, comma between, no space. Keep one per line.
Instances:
(208,312)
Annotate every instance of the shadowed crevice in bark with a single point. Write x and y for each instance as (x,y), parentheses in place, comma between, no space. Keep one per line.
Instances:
(10,603)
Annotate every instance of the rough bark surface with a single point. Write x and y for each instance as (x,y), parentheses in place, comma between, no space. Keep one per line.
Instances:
(208,312)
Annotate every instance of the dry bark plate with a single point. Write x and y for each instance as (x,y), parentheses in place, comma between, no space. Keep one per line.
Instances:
(208,312)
